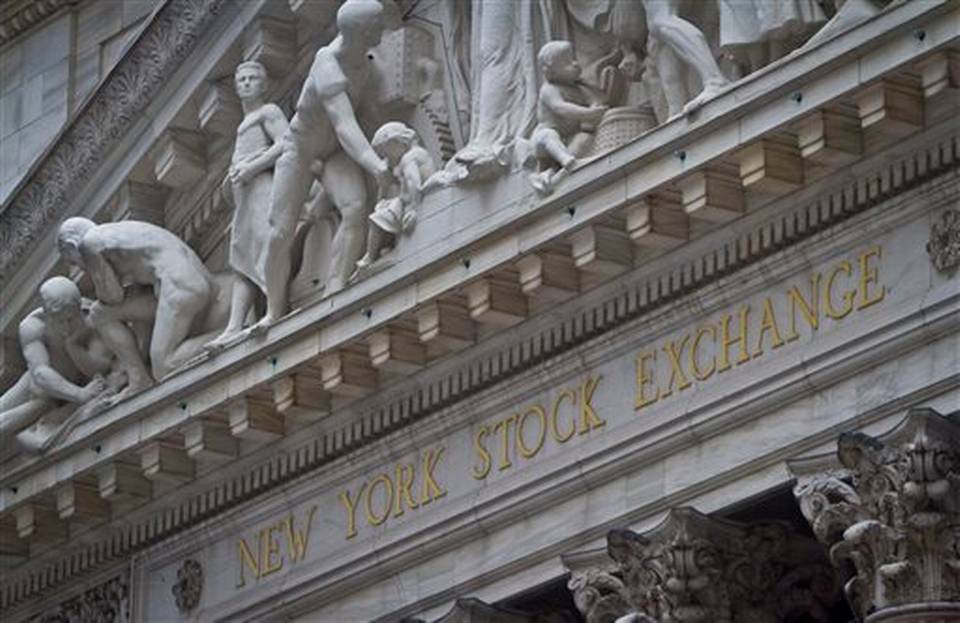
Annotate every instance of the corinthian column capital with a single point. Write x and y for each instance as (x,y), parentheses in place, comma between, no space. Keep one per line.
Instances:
(889,509)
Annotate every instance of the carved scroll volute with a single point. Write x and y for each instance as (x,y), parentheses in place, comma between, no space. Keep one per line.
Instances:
(597,586)
(895,528)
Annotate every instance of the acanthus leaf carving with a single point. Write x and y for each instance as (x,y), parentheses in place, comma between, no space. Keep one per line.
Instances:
(895,526)
(695,568)
(134,83)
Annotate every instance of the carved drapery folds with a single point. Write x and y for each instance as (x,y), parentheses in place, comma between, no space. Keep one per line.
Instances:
(891,517)
(105,603)
(695,568)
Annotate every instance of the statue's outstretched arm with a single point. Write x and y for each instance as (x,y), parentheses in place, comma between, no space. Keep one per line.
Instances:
(344,121)
(51,382)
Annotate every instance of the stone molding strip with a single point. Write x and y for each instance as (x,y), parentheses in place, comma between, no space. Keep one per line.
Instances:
(646,297)
(88,139)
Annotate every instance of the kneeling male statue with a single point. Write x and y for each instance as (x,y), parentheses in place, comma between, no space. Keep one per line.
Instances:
(181,298)
(67,363)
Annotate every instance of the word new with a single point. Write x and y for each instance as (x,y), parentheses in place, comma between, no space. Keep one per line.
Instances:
(268,557)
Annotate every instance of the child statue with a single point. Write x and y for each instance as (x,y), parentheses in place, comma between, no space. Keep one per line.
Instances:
(410,165)
(566,117)
(250,179)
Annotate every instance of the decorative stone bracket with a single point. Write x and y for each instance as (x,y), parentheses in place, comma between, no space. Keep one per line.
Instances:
(696,568)
(891,517)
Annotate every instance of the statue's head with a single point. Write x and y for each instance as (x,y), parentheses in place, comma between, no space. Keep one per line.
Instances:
(61,302)
(362,21)
(558,62)
(250,79)
(71,236)
(393,140)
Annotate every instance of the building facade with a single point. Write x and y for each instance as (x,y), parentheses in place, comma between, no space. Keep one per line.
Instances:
(469,310)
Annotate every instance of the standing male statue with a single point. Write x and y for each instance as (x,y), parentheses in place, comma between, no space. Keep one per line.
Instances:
(677,42)
(180,299)
(324,127)
(250,181)
(67,362)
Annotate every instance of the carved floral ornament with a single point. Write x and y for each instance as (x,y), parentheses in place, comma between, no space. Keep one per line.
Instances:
(189,585)
(105,603)
(944,244)
(695,568)
(891,518)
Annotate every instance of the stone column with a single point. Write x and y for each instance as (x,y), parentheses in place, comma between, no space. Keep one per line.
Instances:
(888,507)
(694,568)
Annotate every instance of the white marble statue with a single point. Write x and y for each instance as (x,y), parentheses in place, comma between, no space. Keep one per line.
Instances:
(758,32)
(411,165)
(503,81)
(848,14)
(566,117)
(67,362)
(609,38)
(325,127)
(250,181)
(674,42)
(143,274)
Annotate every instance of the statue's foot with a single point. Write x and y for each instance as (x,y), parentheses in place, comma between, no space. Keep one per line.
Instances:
(220,342)
(541,182)
(710,90)
(262,326)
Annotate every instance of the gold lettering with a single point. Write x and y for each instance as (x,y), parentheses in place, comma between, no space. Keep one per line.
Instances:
(554,411)
(698,373)
(504,427)
(297,540)
(588,417)
(726,341)
(810,311)
(372,517)
(768,323)
(833,312)
(431,490)
(676,369)
(525,451)
(246,558)
(870,275)
(405,474)
(270,546)
(644,379)
(351,507)
(480,471)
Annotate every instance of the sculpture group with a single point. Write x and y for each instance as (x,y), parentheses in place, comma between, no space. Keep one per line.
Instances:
(531,86)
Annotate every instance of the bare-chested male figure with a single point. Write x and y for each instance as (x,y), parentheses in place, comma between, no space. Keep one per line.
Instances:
(67,362)
(184,301)
(324,127)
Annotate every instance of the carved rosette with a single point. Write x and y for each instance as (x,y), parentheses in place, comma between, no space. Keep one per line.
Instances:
(944,244)
(695,568)
(106,603)
(891,518)
(189,585)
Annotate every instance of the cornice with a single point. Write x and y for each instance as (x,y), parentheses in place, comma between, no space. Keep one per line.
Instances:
(100,125)
(19,16)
